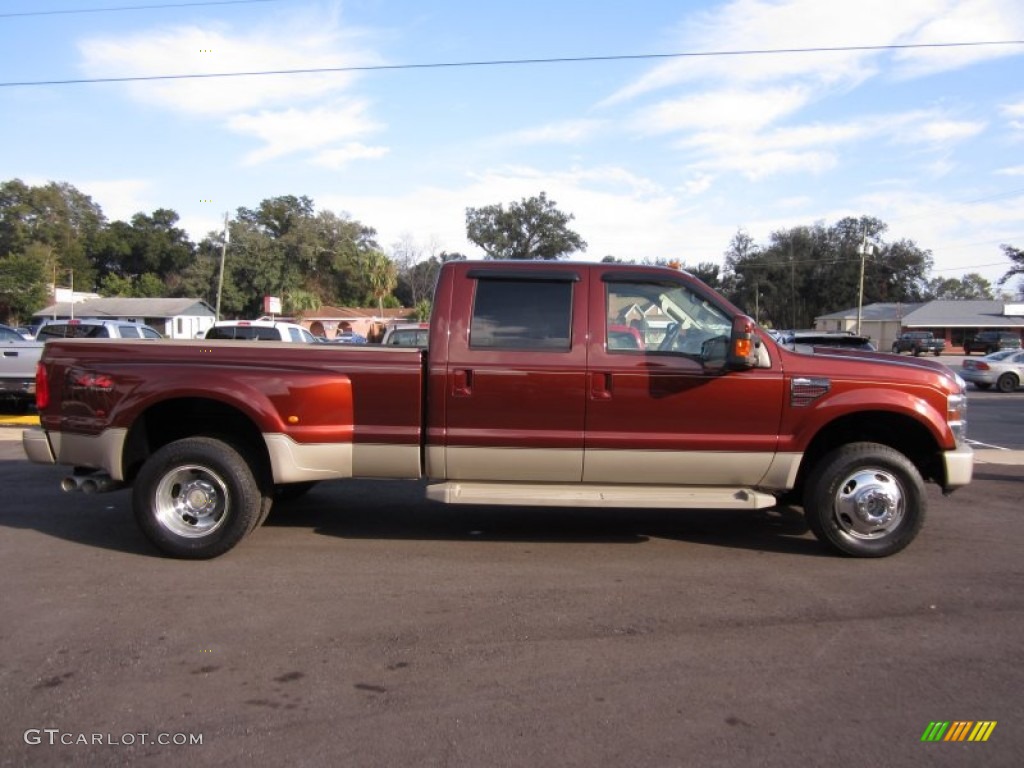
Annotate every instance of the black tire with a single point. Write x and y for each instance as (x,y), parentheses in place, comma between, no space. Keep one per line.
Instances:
(938,352)
(895,349)
(917,351)
(982,385)
(1007,383)
(197,498)
(865,500)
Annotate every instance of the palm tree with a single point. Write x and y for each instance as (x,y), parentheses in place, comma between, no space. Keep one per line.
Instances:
(382,276)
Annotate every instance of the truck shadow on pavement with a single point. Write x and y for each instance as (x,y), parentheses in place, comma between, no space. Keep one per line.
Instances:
(388,511)
(364,509)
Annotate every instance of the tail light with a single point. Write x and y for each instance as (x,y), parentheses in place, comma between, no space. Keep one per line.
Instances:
(980,366)
(42,387)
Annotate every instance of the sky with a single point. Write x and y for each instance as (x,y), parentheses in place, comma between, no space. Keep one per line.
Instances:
(657,156)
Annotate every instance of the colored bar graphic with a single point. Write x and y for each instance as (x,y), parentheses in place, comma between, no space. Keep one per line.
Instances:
(982,730)
(958,730)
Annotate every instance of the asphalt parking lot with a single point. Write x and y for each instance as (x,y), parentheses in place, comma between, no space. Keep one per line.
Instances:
(363,626)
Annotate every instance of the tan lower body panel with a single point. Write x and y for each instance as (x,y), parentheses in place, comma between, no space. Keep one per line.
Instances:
(675,467)
(537,465)
(294,462)
(575,495)
(102,451)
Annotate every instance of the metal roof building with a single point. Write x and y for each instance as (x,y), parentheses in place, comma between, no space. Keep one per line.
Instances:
(174,318)
(952,320)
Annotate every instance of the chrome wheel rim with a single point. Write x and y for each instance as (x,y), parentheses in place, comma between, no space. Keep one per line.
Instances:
(191,501)
(869,504)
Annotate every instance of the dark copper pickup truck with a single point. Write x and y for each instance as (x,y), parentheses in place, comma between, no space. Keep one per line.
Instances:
(545,383)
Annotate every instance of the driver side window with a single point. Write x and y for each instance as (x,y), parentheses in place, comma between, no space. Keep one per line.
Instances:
(650,317)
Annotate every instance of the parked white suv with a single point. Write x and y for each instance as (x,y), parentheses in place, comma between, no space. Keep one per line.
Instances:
(93,328)
(260,330)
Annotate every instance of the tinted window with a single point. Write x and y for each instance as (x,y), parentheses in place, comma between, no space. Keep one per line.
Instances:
(660,317)
(521,314)
(149,333)
(129,332)
(8,335)
(409,337)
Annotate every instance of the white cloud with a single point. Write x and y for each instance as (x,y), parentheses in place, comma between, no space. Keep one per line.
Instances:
(731,108)
(944,131)
(615,211)
(183,51)
(962,21)
(561,132)
(120,199)
(338,158)
(1014,170)
(292,130)
(273,108)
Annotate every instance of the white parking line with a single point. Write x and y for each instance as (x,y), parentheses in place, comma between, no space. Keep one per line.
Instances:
(979,444)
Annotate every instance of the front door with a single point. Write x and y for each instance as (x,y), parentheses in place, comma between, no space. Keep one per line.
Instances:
(655,413)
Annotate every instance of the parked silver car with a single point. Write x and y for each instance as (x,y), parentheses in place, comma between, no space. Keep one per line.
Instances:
(18,358)
(1004,369)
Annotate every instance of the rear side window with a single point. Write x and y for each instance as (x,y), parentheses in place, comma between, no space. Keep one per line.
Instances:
(521,314)
(129,332)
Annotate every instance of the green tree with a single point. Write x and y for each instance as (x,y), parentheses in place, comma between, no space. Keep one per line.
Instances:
(23,283)
(1016,257)
(970,286)
(382,275)
(531,229)
(56,216)
(808,271)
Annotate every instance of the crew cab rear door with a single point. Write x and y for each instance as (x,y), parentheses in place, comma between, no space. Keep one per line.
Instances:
(515,380)
(656,414)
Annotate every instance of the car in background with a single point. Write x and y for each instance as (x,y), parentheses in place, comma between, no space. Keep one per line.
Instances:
(839,339)
(988,342)
(259,330)
(407,335)
(18,359)
(93,328)
(916,342)
(1004,369)
(348,337)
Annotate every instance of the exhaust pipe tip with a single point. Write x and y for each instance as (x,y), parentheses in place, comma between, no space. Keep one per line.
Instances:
(70,484)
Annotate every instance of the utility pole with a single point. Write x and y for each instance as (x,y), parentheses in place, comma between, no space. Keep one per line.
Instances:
(223,253)
(864,250)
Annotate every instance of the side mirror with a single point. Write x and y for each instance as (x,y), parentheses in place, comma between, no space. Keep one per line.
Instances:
(743,343)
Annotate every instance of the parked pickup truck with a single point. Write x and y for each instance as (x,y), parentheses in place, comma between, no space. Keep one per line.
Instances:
(519,400)
(18,360)
(917,342)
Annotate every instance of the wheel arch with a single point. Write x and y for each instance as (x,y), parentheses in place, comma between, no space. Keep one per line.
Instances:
(898,431)
(175,419)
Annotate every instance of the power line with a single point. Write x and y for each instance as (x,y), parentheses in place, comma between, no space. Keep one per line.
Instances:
(134,8)
(510,62)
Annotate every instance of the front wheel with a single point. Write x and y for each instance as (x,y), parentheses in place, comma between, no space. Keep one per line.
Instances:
(196,498)
(865,500)
(1006,383)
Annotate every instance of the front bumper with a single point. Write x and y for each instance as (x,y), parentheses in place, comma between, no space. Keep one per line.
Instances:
(959,466)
